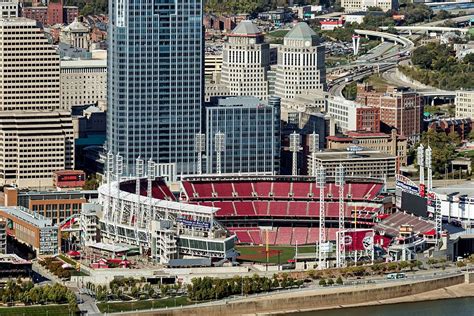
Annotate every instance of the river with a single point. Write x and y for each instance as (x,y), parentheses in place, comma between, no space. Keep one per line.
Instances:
(455,307)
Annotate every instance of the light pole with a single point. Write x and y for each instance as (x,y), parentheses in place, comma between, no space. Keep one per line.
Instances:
(199,142)
(295,148)
(313,149)
(219,143)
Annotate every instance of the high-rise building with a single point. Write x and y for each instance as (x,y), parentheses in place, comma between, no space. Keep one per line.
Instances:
(36,135)
(155,81)
(464,102)
(9,9)
(246,60)
(83,82)
(400,108)
(251,135)
(364,5)
(300,63)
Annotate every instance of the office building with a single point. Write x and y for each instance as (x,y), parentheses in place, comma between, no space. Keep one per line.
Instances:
(460,126)
(155,82)
(300,63)
(391,144)
(364,163)
(83,82)
(246,60)
(54,13)
(76,34)
(31,229)
(9,9)
(36,135)
(400,108)
(364,5)
(251,129)
(464,103)
(352,116)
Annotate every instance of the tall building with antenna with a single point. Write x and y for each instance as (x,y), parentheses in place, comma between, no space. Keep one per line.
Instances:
(155,82)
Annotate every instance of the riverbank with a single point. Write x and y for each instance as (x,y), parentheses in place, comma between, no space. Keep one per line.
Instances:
(328,298)
(451,292)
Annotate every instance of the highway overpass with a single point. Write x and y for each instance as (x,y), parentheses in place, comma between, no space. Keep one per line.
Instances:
(425,28)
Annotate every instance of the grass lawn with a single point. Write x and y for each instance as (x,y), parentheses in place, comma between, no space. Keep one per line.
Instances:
(377,82)
(67,260)
(118,307)
(49,310)
(258,254)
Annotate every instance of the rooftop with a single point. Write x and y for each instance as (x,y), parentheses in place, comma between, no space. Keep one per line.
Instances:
(83,63)
(464,189)
(338,155)
(246,28)
(26,215)
(301,31)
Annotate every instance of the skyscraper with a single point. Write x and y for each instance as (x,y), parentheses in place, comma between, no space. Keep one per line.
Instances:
(155,81)
(36,134)
(300,63)
(246,60)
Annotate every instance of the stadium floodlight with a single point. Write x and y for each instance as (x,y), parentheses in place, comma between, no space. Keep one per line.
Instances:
(321,183)
(219,143)
(341,248)
(313,149)
(295,148)
(421,162)
(199,145)
(118,166)
(428,161)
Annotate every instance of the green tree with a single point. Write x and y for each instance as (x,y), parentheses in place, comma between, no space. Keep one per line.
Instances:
(339,281)
(330,282)
(322,282)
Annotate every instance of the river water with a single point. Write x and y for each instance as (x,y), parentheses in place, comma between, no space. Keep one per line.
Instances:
(448,307)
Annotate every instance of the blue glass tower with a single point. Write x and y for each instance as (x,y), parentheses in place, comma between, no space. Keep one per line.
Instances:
(154,81)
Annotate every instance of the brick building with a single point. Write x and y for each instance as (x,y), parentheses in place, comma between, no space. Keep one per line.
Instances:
(400,108)
(461,126)
(54,13)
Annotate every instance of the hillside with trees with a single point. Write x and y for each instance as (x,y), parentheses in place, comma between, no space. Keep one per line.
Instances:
(435,65)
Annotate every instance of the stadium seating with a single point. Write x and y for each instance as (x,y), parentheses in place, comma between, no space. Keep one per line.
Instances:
(261,208)
(278,209)
(244,208)
(256,237)
(204,189)
(284,236)
(226,208)
(243,189)
(223,189)
(313,235)
(263,188)
(301,189)
(299,235)
(297,208)
(281,189)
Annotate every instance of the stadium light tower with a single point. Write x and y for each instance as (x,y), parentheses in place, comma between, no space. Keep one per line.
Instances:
(150,177)
(341,247)
(219,143)
(139,165)
(421,164)
(110,175)
(199,143)
(295,148)
(313,149)
(321,183)
(117,210)
(429,170)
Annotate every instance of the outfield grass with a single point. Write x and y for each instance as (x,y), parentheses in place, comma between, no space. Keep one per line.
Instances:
(48,310)
(117,307)
(257,253)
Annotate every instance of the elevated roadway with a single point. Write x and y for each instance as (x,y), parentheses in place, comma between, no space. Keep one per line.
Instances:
(428,29)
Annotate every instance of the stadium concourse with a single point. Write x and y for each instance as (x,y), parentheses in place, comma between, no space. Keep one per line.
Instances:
(284,210)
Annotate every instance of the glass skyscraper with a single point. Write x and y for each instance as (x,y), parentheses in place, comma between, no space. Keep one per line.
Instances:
(154,81)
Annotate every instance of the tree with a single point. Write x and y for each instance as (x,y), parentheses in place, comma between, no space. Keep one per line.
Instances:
(443,148)
(339,281)
(322,282)
(330,282)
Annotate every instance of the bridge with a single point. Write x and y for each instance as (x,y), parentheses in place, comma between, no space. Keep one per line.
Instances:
(405,42)
(425,28)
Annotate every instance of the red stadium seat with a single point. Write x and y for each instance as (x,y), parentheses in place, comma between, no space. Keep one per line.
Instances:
(281,189)
(299,235)
(284,236)
(204,189)
(313,235)
(226,209)
(298,209)
(224,189)
(301,189)
(261,208)
(255,235)
(278,208)
(263,188)
(243,189)
(313,209)
(244,208)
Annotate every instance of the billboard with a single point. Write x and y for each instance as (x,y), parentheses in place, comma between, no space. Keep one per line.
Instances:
(414,204)
(358,240)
